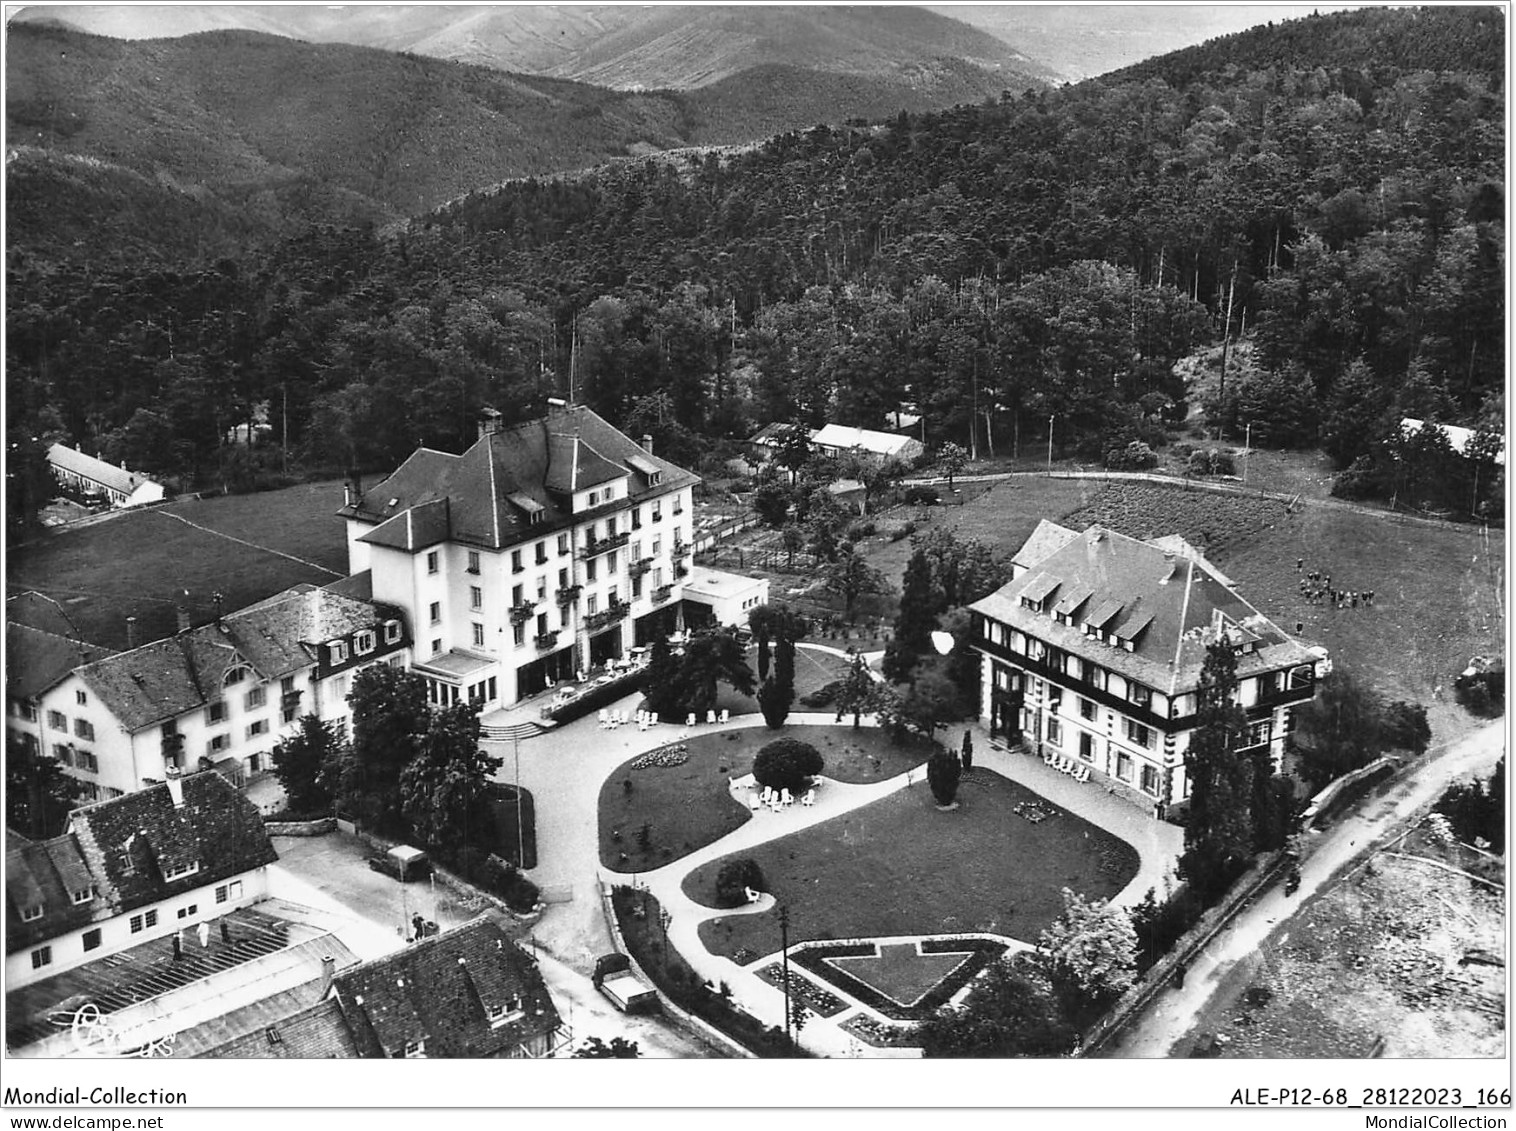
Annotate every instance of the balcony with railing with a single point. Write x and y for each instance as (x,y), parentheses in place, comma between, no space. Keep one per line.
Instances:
(568,595)
(523,612)
(595,546)
(639,567)
(605,617)
(662,594)
(546,641)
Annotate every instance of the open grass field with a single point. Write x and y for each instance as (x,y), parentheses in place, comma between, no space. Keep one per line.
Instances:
(689,806)
(901,867)
(138,563)
(1438,598)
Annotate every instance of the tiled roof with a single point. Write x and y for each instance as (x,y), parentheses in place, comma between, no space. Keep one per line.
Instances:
(98,470)
(317,1032)
(1170,604)
(217,828)
(35,610)
(276,637)
(128,842)
(36,660)
(45,874)
(488,495)
(440,991)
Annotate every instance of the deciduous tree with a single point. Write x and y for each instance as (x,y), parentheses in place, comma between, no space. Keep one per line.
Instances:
(301,764)
(1091,946)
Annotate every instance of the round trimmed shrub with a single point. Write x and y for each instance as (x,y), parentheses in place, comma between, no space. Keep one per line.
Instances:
(787,763)
(734,878)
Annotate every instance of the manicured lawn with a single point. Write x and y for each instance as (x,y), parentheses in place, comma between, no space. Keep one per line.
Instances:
(688,806)
(138,564)
(900,867)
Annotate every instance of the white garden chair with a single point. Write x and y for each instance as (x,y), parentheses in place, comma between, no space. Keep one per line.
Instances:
(726,714)
(710,718)
(689,720)
(810,797)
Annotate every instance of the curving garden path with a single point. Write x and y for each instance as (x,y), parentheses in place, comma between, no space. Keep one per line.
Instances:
(565,769)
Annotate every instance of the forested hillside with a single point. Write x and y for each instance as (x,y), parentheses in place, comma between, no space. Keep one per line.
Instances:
(210,142)
(1049,255)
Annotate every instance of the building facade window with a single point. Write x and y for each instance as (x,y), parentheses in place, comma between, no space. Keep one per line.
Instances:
(478,634)
(518,633)
(92,939)
(392,632)
(475,597)
(81,698)
(87,761)
(431,561)
(1124,765)
(1139,734)
(473,561)
(256,698)
(146,921)
(1150,780)
(516,564)
(1087,710)
(1055,732)
(215,712)
(42,956)
(564,544)
(364,642)
(84,729)
(57,720)
(257,728)
(434,612)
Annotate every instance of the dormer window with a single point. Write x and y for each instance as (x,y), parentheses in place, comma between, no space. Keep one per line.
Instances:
(235,675)
(654,478)
(594,498)
(84,895)
(392,632)
(505,1011)
(337,650)
(414,1050)
(31,914)
(181,870)
(364,642)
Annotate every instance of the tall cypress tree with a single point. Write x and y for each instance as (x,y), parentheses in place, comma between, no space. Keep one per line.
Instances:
(1218,836)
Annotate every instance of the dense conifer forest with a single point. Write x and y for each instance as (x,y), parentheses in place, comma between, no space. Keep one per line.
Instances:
(1329,191)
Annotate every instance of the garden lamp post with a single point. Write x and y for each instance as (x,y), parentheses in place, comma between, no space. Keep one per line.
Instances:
(1247,451)
(1051,418)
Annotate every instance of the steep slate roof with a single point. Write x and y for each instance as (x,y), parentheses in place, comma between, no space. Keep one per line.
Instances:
(439,990)
(116,478)
(276,637)
(1043,540)
(36,661)
(1171,603)
(486,496)
(36,610)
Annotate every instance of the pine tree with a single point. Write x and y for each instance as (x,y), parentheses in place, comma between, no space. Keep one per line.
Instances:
(1218,834)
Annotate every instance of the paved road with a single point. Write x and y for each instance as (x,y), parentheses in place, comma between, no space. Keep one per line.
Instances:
(1174,1012)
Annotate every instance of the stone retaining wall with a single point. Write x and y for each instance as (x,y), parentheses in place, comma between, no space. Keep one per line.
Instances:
(319,827)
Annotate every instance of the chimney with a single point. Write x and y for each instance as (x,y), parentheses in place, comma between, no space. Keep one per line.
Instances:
(647,443)
(328,972)
(352,489)
(131,633)
(175,782)
(217,599)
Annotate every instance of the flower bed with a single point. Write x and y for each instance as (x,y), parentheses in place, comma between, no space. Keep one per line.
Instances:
(805,991)
(664,756)
(812,957)
(872,1031)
